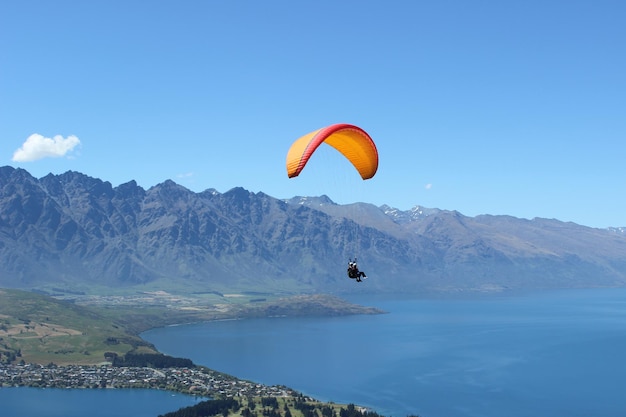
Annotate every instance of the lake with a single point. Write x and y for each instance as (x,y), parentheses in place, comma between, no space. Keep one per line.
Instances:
(547,354)
(40,402)
(550,354)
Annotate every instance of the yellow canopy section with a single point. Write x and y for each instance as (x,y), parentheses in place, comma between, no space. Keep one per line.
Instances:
(352,141)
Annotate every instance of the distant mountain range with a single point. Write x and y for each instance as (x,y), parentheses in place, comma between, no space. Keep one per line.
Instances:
(72,232)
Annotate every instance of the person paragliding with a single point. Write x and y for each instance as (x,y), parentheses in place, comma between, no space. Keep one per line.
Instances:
(352,142)
(353,271)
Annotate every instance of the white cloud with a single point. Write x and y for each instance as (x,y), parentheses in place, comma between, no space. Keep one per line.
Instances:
(185,175)
(428,186)
(39,147)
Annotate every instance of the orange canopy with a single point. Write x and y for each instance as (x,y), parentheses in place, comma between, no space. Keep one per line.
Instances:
(352,141)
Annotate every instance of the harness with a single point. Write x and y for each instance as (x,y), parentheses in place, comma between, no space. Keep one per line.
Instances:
(353,272)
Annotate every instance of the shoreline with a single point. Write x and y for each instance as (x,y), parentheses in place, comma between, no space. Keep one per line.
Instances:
(66,369)
(201,382)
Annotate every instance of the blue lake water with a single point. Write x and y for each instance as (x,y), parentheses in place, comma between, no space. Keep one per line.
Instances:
(549,354)
(39,402)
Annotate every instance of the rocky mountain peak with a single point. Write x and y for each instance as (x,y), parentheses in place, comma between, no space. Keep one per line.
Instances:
(74,231)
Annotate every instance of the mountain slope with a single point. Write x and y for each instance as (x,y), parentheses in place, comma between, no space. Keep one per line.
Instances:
(78,233)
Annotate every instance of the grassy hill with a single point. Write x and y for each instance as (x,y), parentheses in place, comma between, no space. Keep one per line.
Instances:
(40,329)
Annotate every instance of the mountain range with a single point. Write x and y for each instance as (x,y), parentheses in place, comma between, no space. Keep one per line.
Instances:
(74,233)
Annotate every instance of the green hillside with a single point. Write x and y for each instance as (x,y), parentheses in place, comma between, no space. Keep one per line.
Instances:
(40,329)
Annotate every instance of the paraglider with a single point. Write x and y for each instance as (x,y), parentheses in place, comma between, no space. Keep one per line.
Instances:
(353,271)
(352,142)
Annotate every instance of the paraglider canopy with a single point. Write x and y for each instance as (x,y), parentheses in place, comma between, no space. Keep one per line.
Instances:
(352,141)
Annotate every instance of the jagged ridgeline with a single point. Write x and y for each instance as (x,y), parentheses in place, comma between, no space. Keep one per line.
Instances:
(77,233)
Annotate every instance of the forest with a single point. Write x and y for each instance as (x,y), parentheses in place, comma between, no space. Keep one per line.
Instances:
(271,407)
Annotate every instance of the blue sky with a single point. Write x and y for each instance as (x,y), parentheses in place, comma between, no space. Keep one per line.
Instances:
(485,107)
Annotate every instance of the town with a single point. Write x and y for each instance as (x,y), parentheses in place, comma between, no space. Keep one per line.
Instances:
(198,381)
